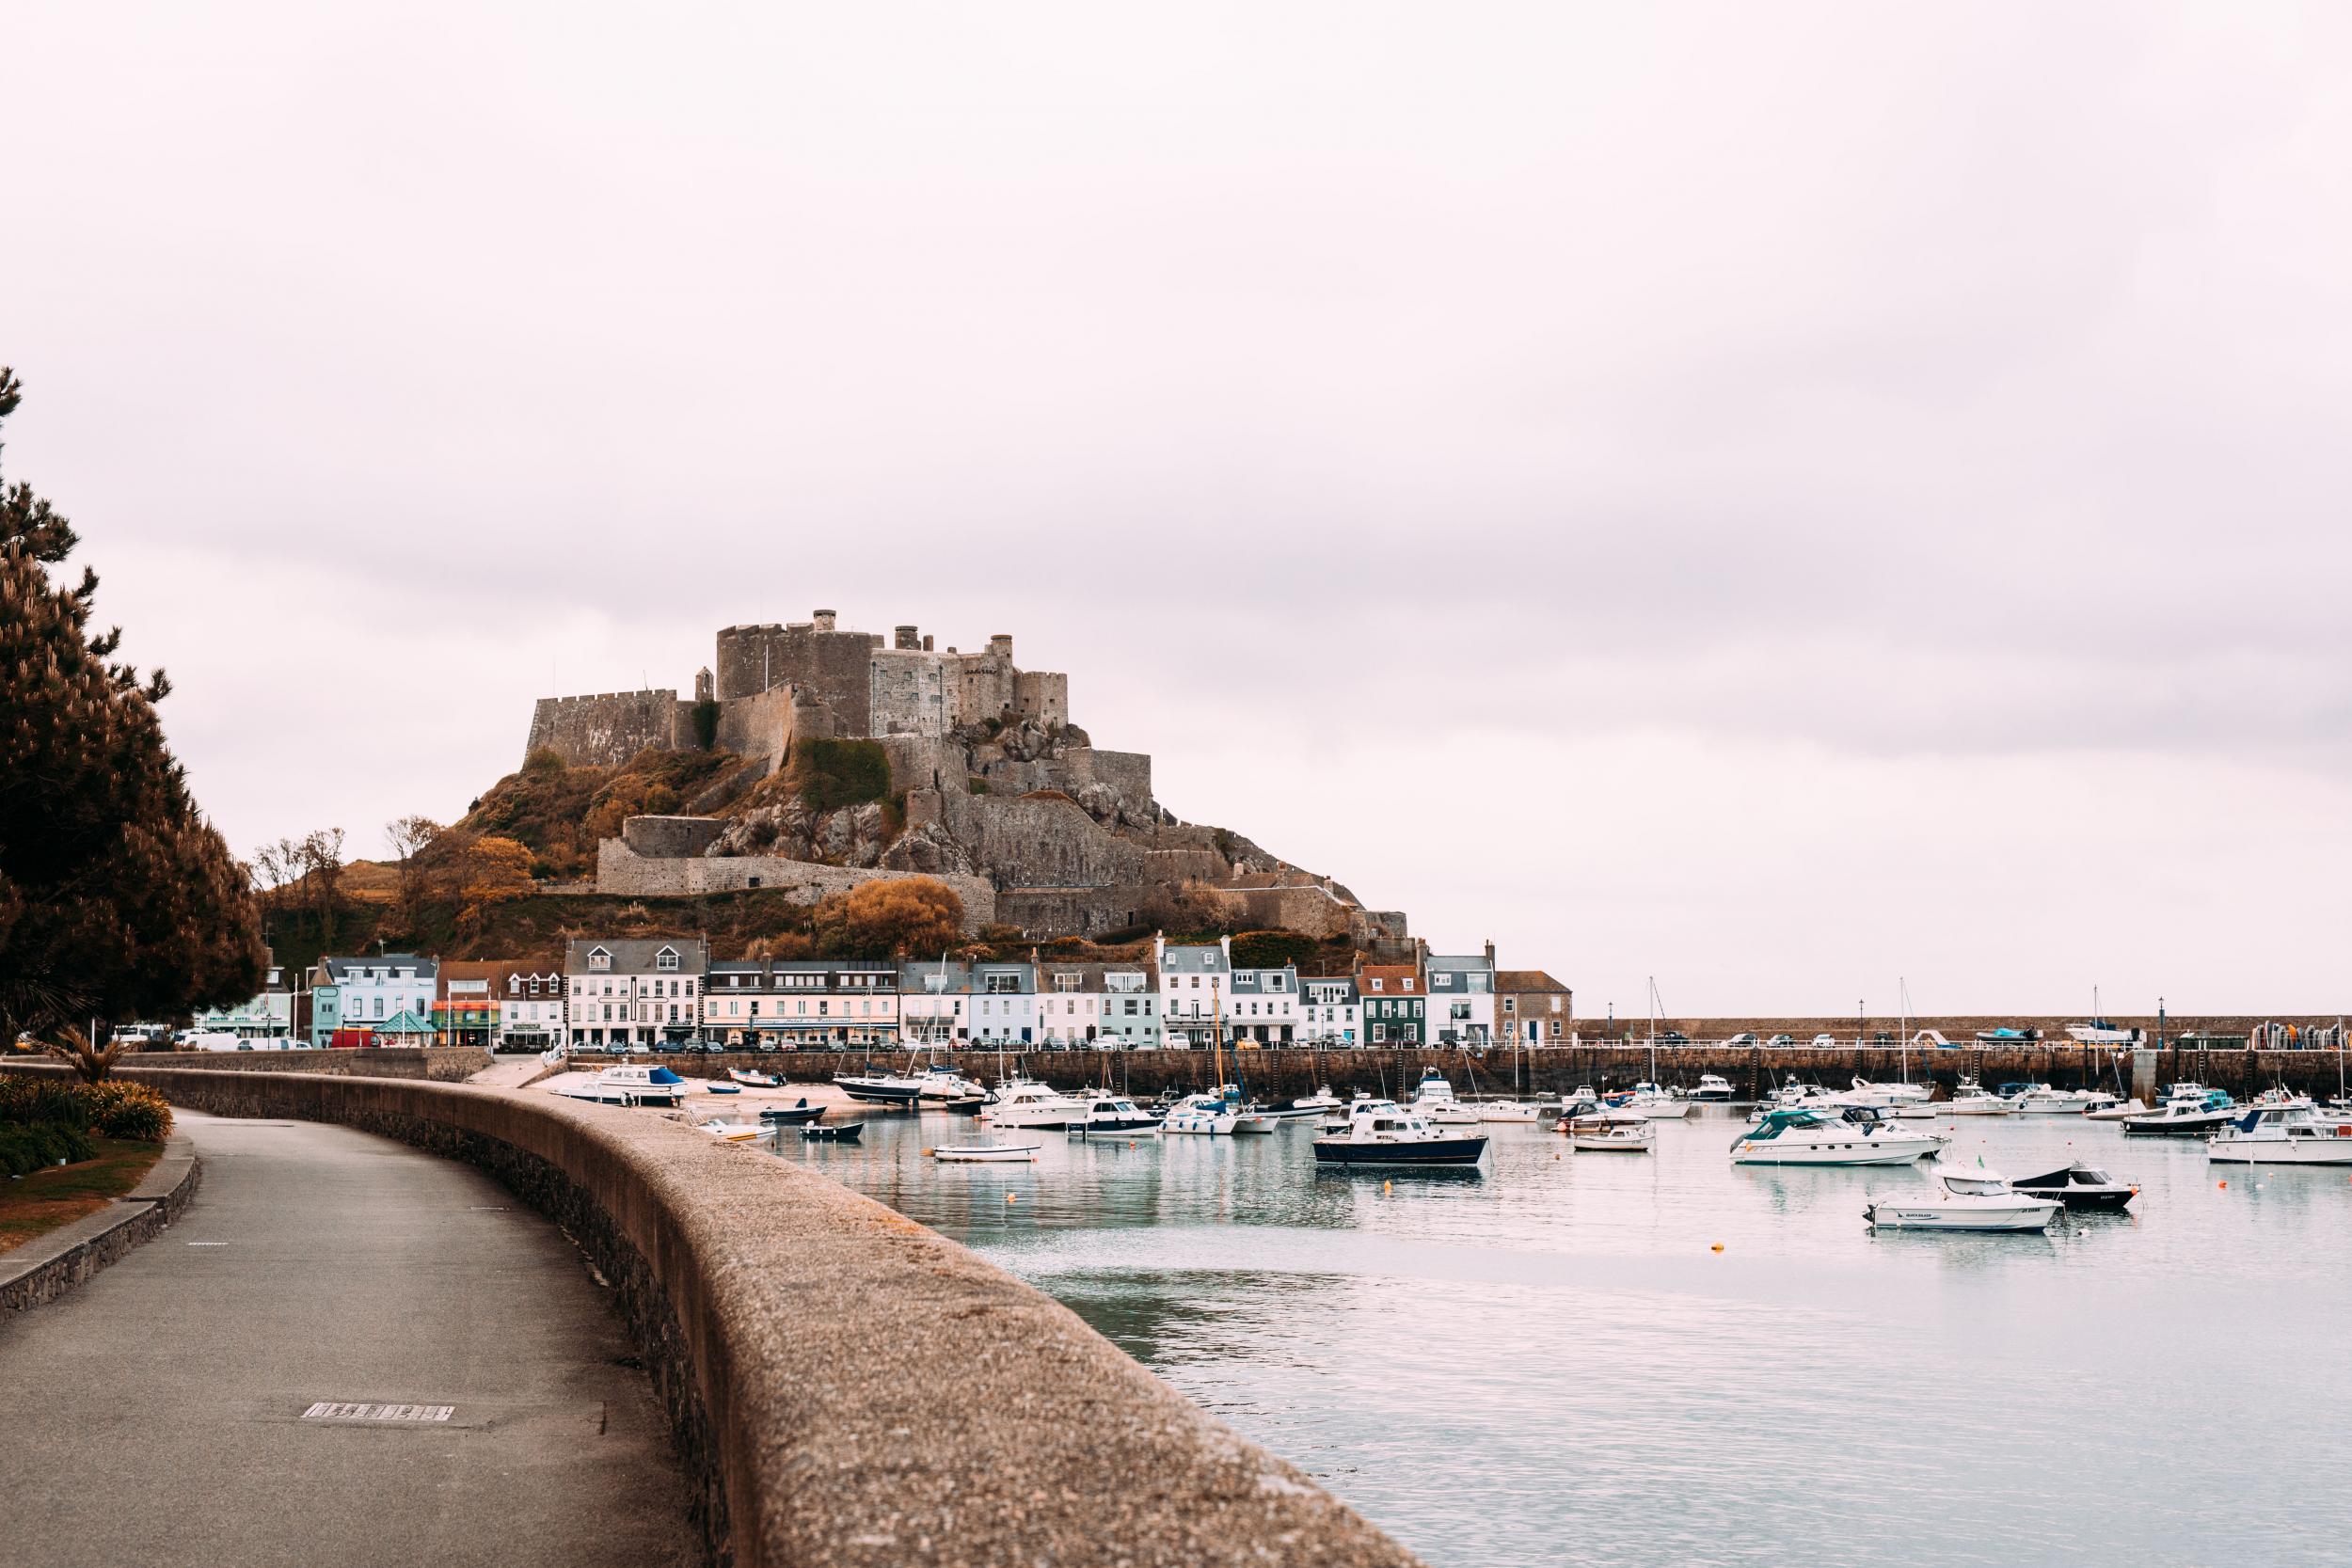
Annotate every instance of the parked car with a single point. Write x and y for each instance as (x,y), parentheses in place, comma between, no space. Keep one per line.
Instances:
(1674,1037)
(1781,1041)
(1743,1040)
(1824,1042)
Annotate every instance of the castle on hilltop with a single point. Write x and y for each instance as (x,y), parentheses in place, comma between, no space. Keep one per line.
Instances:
(995,791)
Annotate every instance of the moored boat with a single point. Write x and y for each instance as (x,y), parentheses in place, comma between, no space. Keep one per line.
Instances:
(1381,1132)
(733,1132)
(1433,1098)
(1714,1089)
(792,1116)
(1807,1137)
(1104,1115)
(1964,1199)
(1030,1104)
(1611,1133)
(881,1089)
(2079,1186)
(2116,1110)
(627,1084)
(2184,1116)
(983,1153)
(2281,1135)
(1973,1099)
(846,1132)
(753,1080)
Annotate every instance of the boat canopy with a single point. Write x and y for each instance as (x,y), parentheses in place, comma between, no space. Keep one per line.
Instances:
(664,1075)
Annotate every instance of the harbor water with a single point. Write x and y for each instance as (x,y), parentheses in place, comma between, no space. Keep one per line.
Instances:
(1549,1360)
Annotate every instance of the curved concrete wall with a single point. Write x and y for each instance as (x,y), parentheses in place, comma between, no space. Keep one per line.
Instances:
(849,1387)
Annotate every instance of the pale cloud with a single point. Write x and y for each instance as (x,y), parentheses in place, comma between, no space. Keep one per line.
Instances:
(1755,455)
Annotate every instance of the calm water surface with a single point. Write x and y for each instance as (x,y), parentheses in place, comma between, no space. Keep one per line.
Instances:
(1545,1362)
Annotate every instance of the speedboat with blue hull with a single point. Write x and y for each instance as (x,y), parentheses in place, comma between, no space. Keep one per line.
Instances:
(1382,1132)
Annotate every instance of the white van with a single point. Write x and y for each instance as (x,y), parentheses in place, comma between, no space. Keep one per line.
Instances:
(217,1041)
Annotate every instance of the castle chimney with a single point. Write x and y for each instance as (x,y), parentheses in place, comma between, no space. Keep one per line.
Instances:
(926,644)
(704,687)
(824,620)
(907,638)
(1001,646)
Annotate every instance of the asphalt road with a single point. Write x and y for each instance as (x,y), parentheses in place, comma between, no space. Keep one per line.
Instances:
(156,1415)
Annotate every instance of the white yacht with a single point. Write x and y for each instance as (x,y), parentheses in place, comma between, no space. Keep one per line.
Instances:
(1806,1137)
(1205,1114)
(1867,1093)
(1111,1113)
(1714,1089)
(1653,1104)
(1973,1099)
(2116,1110)
(1966,1199)
(1434,1099)
(2043,1101)
(2281,1135)
(1322,1099)
(628,1084)
(1024,1103)
(946,1083)
(1526,1112)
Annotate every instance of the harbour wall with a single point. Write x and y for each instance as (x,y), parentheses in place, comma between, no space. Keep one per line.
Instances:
(1292,1072)
(800,1334)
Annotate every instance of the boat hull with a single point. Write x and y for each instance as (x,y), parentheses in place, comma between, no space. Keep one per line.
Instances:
(1902,1151)
(2279,1152)
(2177,1127)
(1932,1216)
(990,1154)
(1433,1151)
(879,1094)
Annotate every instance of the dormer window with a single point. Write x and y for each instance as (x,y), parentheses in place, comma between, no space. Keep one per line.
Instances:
(1067,982)
(1377,983)
(1408,982)
(1442,981)
(666,960)
(599,959)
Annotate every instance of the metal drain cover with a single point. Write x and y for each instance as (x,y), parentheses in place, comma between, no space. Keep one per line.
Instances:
(330,1411)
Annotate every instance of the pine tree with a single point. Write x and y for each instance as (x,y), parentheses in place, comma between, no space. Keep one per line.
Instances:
(117,900)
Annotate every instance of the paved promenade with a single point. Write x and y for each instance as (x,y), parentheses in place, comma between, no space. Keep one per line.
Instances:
(345,1352)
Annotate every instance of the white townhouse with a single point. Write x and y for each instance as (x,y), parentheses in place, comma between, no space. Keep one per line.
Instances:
(935,1003)
(634,991)
(1262,1006)
(378,991)
(1194,979)
(1097,1006)
(800,1005)
(1329,1011)
(1004,1004)
(1461,998)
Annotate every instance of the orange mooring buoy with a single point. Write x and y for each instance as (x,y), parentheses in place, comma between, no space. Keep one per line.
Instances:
(1718,1247)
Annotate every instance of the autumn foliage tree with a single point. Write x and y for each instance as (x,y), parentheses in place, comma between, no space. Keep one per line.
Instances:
(117,900)
(902,917)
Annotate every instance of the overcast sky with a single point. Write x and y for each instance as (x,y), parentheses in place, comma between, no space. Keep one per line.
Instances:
(1779,498)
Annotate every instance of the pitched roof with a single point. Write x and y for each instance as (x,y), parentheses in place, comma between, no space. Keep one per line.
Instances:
(339,970)
(1194,959)
(1526,979)
(635,955)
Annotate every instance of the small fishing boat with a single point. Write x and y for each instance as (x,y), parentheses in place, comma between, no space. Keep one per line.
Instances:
(946,1086)
(839,1133)
(792,1116)
(2118,1110)
(1382,1132)
(733,1132)
(753,1080)
(1205,1114)
(2079,1186)
(2043,1101)
(1322,1099)
(2008,1036)
(1613,1134)
(1714,1089)
(1968,1199)
(716,1087)
(1653,1104)
(965,1154)
(2281,1135)
(1112,1114)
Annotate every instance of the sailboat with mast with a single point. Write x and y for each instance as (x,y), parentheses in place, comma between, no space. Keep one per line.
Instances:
(2100,1030)
(1648,1101)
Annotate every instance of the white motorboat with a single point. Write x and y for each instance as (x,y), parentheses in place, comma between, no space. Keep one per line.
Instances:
(2043,1101)
(1104,1114)
(1205,1114)
(1322,1099)
(946,1083)
(1653,1104)
(1526,1112)
(1579,1101)
(1807,1137)
(1967,1198)
(2281,1135)
(1434,1097)
(2282,1099)
(734,1132)
(2194,1113)
(964,1154)
(1381,1132)
(753,1080)
(1714,1089)
(627,1084)
(1030,1104)
(1973,1099)
(2097,1100)
(1886,1095)
(2099,1031)
(881,1089)
(2116,1110)
(1614,1134)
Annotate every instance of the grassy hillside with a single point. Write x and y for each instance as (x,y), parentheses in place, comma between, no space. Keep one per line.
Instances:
(559,811)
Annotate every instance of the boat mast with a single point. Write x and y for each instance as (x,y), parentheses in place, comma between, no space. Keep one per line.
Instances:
(1216,1034)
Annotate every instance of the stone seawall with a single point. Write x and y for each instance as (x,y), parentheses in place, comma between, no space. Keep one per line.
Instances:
(777,1312)
(1291,1072)
(440,1063)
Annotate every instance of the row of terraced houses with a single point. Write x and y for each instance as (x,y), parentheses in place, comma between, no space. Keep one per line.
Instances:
(652,991)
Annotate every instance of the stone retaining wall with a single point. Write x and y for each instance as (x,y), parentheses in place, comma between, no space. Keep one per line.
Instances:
(441,1064)
(846,1386)
(47,1266)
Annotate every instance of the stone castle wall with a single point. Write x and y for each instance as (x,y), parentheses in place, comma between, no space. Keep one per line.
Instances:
(660,836)
(764,724)
(607,729)
(621,870)
(1041,843)
(1042,695)
(835,667)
